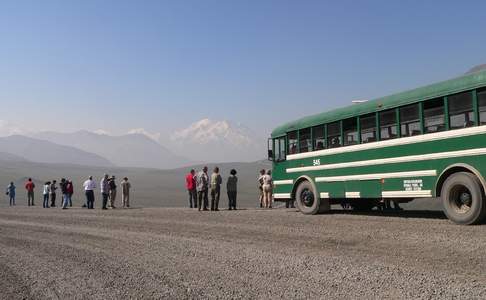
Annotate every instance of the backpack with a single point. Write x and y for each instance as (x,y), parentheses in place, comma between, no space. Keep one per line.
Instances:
(112,185)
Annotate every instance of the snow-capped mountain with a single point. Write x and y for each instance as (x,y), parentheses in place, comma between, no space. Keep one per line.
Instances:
(218,141)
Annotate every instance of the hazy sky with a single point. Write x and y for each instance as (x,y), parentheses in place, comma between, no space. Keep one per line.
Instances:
(160,65)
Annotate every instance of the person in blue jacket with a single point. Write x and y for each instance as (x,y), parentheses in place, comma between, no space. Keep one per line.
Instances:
(11,193)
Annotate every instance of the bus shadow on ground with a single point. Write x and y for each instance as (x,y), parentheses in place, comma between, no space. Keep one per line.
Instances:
(419,214)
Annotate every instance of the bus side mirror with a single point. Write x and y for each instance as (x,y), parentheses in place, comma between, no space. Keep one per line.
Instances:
(270,155)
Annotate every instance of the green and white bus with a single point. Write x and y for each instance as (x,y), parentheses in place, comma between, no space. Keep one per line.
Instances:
(423,143)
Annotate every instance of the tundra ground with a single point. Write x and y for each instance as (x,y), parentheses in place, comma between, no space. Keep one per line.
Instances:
(182,253)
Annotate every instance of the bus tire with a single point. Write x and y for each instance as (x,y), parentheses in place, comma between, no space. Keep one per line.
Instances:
(463,199)
(306,199)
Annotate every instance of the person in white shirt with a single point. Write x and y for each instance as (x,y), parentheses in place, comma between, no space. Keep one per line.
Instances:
(89,187)
(46,192)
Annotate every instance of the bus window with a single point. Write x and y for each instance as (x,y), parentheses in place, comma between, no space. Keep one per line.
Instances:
(279,149)
(434,116)
(319,138)
(410,120)
(305,140)
(334,135)
(368,128)
(461,113)
(292,137)
(388,125)
(350,127)
(276,150)
(482,107)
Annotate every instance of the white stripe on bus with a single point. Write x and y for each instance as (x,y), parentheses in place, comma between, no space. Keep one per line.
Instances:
(353,195)
(407,194)
(393,160)
(281,196)
(283,182)
(377,176)
(324,195)
(385,194)
(394,142)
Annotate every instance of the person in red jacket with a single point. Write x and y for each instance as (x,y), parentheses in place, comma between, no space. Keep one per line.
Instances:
(70,192)
(30,186)
(191,188)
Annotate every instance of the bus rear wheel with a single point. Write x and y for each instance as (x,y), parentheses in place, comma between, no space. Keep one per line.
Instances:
(463,199)
(306,199)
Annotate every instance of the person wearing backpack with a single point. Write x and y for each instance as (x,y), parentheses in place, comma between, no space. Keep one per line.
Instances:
(112,184)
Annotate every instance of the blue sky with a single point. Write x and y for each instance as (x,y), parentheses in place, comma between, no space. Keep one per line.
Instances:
(161,65)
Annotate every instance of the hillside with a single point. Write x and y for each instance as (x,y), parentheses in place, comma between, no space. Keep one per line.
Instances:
(6,157)
(47,152)
(130,150)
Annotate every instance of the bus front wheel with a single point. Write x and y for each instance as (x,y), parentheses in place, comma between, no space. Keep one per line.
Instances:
(463,199)
(306,199)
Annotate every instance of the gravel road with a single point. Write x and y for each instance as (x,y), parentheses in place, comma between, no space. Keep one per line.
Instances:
(182,253)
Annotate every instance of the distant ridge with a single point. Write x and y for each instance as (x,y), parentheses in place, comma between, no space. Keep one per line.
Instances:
(4,156)
(129,150)
(35,150)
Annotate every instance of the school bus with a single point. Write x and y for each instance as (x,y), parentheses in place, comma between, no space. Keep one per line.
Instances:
(423,143)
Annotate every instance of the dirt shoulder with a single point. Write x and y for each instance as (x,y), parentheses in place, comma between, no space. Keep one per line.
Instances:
(182,253)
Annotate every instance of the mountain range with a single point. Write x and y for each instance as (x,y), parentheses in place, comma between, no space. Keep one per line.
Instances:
(130,150)
(205,141)
(17,147)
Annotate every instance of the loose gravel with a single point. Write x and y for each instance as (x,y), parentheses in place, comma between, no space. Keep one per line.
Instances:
(164,253)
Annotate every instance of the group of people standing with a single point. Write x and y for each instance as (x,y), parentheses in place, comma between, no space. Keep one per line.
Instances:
(108,192)
(199,185)
(49,191)
(265,185)
(108,188)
